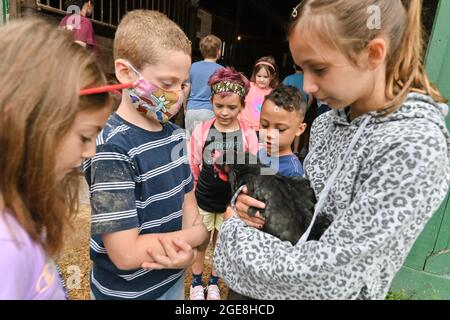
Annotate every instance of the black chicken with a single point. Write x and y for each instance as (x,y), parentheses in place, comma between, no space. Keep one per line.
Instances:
(289,200)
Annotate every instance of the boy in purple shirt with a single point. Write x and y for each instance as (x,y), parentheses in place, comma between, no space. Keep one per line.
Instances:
(79,24)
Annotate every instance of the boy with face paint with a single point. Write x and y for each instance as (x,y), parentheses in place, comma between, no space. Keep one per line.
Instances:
(144,212)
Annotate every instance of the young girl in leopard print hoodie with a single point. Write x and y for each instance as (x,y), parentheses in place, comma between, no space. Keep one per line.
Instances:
(378,163)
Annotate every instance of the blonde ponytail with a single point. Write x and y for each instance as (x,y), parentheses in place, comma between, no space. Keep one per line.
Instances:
(406,71)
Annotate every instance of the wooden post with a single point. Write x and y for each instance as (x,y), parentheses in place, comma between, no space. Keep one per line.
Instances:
(22,8)
(28,8)
(14,12)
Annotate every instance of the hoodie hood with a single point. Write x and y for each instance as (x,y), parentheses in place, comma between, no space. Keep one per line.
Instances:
(416,106)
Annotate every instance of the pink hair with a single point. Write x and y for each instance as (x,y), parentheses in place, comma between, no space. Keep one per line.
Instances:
(229,74)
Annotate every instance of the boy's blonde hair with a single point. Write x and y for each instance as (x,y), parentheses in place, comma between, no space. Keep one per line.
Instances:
(210,46)
(144,36)
(42,70)
(345,25)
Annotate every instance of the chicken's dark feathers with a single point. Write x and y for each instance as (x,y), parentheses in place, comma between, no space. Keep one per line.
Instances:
(289,201)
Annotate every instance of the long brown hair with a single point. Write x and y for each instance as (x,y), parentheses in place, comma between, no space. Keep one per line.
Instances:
(343,24)
(42,72)
(272,72)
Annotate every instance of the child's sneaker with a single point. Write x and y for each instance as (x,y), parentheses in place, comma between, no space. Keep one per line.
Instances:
(213,292)
(197,293)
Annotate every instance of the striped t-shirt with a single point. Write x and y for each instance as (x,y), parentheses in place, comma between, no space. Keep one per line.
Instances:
(137,179)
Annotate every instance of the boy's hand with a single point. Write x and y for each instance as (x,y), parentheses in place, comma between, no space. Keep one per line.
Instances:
(179,255)
(243,203)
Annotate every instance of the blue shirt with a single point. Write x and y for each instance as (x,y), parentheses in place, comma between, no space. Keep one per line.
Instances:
(135,182)
(296,80)
(322,108)
(287,166)
(200,96)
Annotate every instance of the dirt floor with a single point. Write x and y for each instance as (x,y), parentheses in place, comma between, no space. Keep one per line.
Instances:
(75,256)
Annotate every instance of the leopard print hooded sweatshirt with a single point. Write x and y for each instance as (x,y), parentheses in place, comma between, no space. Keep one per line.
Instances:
(393,181)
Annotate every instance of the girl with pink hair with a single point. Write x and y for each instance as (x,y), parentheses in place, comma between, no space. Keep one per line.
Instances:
(209,140)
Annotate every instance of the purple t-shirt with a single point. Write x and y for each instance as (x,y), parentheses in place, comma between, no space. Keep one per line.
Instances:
(26,273)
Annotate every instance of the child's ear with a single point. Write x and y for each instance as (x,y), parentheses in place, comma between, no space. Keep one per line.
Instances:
(301,129)
(123,72)
(376,53)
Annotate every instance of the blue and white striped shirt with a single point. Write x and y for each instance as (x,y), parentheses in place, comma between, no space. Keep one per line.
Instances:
(137,179)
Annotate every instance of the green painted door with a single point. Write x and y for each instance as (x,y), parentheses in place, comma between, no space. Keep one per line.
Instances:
(4,11)
(426,272)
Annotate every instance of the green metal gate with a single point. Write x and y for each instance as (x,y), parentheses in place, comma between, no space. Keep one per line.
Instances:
(426,272)
(4,12)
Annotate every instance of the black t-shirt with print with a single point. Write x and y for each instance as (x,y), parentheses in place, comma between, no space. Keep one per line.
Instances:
(212,193)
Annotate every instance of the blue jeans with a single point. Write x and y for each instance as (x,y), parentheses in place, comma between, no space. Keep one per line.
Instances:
(176,292)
